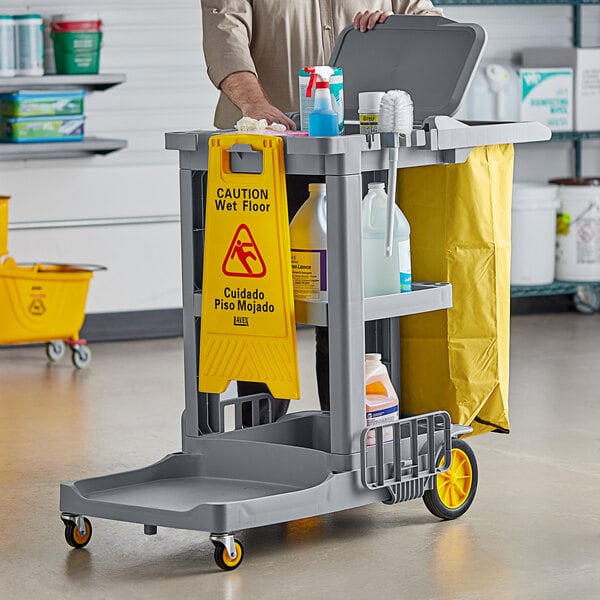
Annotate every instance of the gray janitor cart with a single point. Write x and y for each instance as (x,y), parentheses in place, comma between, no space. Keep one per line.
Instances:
(311,463)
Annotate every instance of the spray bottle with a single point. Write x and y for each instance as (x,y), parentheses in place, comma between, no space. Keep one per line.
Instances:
(323,120)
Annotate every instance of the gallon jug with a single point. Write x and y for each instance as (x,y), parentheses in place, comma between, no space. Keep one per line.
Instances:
(308,241)
(382,274)
(381,398)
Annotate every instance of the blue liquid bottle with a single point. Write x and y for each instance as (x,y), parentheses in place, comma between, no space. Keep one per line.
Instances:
(323,120)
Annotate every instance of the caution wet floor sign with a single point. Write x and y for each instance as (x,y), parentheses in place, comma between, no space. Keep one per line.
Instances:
(248,328)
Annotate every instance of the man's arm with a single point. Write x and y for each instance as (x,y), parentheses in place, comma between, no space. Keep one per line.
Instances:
(227,29)
(244,90)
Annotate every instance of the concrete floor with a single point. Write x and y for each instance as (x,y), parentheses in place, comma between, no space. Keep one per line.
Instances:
(533,531)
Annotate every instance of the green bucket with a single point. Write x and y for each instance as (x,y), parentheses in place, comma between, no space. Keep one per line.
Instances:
(77,52)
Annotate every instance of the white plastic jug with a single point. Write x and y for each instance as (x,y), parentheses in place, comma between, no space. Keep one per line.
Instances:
(308,241)
(384,275)
(381,400)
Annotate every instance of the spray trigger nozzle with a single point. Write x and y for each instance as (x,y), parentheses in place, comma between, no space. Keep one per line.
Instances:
(320,73)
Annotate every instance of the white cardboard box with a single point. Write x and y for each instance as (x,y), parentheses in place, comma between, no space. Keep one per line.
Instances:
(585,63)
(547,97)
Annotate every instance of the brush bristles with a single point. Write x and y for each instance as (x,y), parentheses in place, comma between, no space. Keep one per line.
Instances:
(396,112)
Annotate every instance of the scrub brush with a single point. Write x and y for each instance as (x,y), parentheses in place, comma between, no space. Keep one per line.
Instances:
(395,117)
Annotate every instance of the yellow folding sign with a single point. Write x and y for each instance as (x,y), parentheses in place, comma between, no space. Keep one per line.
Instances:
(248,330)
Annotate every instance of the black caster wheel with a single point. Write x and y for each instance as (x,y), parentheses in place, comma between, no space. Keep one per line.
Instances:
(73,535)
(454,490)
(222,558)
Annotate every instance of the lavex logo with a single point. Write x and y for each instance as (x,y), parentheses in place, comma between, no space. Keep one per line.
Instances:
(243,258)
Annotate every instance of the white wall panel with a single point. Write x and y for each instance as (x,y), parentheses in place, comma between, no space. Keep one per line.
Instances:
(143,262)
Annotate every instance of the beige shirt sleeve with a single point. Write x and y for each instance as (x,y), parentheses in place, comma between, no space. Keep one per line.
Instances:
(227,33)
(415,7)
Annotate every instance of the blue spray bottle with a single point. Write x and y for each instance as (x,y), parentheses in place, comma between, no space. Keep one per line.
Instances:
(323,120)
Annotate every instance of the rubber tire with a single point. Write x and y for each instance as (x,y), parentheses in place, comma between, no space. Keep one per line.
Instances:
(55,350)
(222,556)
(73,537)
(82,357)
(432,499)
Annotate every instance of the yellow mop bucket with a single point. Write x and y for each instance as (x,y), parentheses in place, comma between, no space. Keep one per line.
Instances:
(42,302)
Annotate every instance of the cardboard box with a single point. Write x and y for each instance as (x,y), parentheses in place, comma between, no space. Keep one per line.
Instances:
(585,63)
(547,97)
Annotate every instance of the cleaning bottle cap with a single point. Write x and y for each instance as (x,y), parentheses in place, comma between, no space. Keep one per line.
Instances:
(376,185)
(316,187)
(373,356)
(318,75)
(368,102)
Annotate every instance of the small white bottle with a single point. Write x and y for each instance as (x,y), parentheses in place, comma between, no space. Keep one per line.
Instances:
(382,274)
(308,241)
(368,111)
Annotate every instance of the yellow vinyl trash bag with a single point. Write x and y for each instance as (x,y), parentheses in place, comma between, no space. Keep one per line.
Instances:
(457,359)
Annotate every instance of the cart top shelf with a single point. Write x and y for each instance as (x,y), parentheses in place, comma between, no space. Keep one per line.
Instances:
(442,140)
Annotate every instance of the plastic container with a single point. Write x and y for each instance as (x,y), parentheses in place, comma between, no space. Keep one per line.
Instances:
(533,235)
(4,224)
(37,104)
(41,302)
(307,103)
(77,52)
(384,275)
(368,111)
(29,44)
(42,129)
(381,400)
(308,240)
(578,231)
(7,46)
(75,22)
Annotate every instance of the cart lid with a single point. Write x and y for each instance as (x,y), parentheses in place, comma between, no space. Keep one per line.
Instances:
(432,58)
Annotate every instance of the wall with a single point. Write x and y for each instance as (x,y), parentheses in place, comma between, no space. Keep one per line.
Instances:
(122,210)
(119,210)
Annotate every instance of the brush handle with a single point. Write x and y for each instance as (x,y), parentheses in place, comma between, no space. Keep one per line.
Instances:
(389,234)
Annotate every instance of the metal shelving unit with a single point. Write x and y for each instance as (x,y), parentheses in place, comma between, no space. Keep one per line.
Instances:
(49,150)
(575,137)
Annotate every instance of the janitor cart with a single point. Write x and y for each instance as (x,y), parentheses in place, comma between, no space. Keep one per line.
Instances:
(311,463)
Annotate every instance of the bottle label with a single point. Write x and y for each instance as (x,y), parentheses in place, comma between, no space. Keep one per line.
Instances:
(404,266)
(309,274)
(369,123)
(382,417)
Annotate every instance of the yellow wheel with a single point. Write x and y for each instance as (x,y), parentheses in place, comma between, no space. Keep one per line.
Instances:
(222,558)
(454,490)
(74,537)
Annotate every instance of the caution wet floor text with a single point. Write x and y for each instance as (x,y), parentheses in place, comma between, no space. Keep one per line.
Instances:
(248,330)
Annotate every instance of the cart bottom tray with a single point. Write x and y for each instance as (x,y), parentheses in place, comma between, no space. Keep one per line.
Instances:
(227,486)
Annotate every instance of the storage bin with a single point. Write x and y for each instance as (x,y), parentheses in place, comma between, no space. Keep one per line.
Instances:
(578,232)
(38,104)
(533,236)
(41,302)
(42,129)
(77,52)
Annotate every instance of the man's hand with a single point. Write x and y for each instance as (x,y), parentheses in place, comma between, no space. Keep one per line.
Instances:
(244,90)
(368,19)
